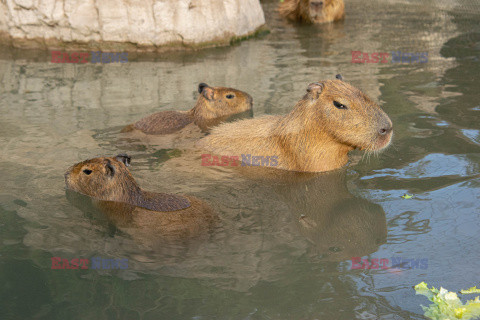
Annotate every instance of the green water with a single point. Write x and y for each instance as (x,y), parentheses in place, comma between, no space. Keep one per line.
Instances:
(280,251)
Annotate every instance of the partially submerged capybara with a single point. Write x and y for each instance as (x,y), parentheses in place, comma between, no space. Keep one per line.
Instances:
(312,11)
(214,105)
(108,180)
(332,119)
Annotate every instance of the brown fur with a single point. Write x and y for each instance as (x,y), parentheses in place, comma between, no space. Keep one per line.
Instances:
(315,136)
(212,108)
(312,11)
(127,205)
(164,122)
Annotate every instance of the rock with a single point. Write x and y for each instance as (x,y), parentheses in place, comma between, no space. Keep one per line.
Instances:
(145,24)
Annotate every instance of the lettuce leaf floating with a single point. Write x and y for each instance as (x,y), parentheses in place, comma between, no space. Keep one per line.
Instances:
(471,290)
(446,305)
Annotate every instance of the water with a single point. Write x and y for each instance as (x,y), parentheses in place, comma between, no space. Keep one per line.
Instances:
(281,250)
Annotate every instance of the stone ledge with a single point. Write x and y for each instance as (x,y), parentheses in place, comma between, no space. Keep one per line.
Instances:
(134,25)
(56,44)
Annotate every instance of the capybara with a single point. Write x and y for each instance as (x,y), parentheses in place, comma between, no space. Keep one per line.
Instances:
(312,11)
(108,180)
(214,105)
(332,119)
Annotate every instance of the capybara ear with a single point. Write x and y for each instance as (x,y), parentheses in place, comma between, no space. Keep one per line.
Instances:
(124,158)
(208,93)
(202,86)
(314,89)
(339,77)
(109,169)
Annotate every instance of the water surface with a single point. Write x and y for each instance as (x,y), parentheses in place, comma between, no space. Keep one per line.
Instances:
(281,250)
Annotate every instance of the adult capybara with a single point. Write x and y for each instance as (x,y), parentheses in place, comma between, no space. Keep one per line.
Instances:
(332,119)
(312,11)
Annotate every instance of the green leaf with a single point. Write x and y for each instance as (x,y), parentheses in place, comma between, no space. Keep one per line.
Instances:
(407,196)
(446,305)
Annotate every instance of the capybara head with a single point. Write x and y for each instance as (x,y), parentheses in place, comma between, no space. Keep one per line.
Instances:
(313,11)
(321,11)
(347,115)
(106,178)
(217,102)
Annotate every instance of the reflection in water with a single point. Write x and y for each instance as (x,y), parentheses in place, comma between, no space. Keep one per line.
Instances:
(339,224)
(319,207)
(151,230)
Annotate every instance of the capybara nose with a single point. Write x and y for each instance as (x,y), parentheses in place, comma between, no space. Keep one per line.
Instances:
(316,4)
(385,130)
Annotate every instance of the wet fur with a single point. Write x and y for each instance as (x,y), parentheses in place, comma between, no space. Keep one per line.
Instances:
(172,225)
(315,136)
(299,10)
(120,197)
(210,110)
(163,122)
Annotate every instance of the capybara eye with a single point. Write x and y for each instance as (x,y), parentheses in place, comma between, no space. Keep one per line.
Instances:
(87,171)
(230,96)
(339,105)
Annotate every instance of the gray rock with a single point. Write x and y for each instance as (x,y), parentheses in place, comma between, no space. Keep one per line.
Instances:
(144,23)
